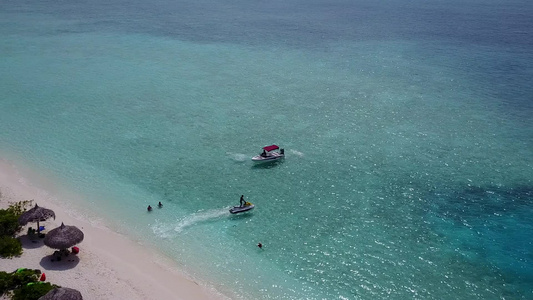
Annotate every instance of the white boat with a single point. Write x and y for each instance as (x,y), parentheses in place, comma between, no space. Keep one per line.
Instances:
(270,153)
(239,209)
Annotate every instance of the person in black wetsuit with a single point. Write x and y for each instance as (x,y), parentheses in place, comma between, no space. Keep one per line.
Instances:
(242,202)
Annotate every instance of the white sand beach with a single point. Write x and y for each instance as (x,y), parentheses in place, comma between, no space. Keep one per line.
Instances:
(109,265)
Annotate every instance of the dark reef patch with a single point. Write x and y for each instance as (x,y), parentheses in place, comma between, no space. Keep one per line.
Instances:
(491,225)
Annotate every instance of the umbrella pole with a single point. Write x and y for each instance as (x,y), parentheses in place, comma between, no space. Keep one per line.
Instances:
(38,228)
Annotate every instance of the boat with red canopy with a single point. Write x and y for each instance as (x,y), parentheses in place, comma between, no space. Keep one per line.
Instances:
(270,153)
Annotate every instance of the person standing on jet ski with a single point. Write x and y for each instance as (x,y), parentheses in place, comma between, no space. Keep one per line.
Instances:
(242,202)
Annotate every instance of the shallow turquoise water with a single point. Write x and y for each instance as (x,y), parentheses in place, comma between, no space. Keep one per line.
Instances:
(407,130)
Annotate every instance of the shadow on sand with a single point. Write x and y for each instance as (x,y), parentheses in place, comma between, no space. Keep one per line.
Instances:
(31,241)
(50,262)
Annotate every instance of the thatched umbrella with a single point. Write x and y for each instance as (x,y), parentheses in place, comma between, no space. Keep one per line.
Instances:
(62,294)
(63,237)
(36,214)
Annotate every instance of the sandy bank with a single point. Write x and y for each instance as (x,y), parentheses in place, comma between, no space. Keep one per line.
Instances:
(109,265)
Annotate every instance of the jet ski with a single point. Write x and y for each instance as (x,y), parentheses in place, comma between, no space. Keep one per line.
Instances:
(239,209)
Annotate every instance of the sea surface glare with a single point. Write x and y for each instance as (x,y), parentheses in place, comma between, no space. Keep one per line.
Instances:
(407,128)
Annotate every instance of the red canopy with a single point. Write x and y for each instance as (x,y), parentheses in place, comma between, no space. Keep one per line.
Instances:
(271,147)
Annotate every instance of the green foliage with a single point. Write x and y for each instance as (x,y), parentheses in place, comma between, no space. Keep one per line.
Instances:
(18,279)
(9,218)
(18,208)
(9,223)
(9,226)
(5,282)
(10,247)
(33,291)
(23,277)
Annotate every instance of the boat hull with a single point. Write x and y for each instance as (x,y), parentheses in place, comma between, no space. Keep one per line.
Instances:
(241,209)
(272,157)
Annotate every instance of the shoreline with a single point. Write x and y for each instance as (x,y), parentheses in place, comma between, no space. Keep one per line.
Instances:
(109,265)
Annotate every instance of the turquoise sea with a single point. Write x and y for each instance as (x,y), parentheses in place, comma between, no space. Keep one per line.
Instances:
(407,127)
